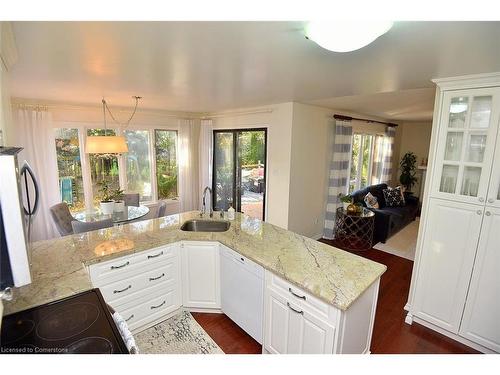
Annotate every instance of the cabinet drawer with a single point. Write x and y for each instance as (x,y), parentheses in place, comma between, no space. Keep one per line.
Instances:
(119,268)
(297,295)
(139,284)
(138,315)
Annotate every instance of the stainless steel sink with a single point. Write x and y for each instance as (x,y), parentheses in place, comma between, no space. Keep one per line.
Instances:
(205,226)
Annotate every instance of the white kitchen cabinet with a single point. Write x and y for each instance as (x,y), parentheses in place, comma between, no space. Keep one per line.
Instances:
(143,287)
(455,283)
(296,322)
(467,133)
(493,198)
(293,329)
(482,310)
(451,232)
(200,275)
(150,286)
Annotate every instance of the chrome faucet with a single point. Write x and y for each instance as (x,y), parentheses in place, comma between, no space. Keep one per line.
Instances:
(204,206)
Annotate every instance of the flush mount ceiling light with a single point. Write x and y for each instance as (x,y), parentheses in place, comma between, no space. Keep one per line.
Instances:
(345,35)
(109,144)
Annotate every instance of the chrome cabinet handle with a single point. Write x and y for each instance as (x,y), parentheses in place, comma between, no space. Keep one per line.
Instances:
(160,305)
(479,212)
(297,311)
(491,200)
(296,295)
(155,256)
(488,213)
(481,199)
(156,278)
(123,290)
(117,267)
(130,317)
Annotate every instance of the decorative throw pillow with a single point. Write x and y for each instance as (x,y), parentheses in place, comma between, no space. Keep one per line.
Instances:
(393,197)
(371,201)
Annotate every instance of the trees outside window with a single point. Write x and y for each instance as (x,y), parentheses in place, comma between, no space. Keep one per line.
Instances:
(166,163)
(69,168)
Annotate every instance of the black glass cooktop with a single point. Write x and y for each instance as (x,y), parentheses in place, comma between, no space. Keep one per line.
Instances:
(77,324)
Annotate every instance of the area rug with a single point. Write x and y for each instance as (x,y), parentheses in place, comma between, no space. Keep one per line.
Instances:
(403,243)
(180,334)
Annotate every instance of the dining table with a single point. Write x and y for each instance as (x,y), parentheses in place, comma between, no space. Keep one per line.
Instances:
(128,214)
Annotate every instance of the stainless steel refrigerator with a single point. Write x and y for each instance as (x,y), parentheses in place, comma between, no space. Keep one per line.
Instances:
(15,218)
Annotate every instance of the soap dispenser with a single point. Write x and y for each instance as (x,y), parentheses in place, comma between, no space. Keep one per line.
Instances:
(230,212)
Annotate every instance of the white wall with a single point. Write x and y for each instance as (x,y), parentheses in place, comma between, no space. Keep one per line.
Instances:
(415,137)
(311,135)
(278,121)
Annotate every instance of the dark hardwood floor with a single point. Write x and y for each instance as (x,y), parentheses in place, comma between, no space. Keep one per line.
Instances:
(227,334)
(391,335)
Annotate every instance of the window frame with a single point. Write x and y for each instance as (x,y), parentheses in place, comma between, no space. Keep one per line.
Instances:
(359,172)
(122,172)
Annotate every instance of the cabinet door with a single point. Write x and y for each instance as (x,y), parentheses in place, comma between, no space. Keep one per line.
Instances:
(482,310)
(493,198)
(449,245)
(467,135)
(200,275)
(292,330)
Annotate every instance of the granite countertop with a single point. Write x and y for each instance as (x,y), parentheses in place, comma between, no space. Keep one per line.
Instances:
(333,275)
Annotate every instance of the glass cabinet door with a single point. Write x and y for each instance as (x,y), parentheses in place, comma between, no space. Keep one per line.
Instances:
(493,198)
(466,144)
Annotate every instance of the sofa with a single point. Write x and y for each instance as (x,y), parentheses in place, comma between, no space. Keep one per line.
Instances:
(388,220)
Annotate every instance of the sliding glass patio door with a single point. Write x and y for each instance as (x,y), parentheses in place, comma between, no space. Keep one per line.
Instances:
(239,173)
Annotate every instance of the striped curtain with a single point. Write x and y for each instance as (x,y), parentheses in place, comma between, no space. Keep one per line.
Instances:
(386,176)
(338,181)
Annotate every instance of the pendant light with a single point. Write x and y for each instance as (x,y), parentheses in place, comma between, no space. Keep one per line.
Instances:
(109,144)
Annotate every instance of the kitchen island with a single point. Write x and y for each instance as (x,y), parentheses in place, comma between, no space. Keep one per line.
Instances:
(333,280)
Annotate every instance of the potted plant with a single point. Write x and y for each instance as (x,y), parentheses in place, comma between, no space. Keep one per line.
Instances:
(408,166)
(107,204)
(346,200)
(118,196)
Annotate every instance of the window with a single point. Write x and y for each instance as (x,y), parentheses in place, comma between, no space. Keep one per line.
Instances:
(103,167)
(69,168)
(134,171)
(166,163)
(367,159)
(138,163)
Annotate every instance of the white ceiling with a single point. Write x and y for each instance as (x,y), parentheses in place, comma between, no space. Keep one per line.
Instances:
(211,66)
(409,105)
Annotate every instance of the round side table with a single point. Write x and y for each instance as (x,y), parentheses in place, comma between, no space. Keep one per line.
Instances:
(354,232)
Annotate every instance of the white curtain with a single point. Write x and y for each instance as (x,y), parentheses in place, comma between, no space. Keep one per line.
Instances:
(34,132)
(206,155)
(189,192)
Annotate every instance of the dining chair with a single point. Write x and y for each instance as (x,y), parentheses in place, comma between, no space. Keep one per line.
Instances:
(131,199)
(82,227)
(62,218)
